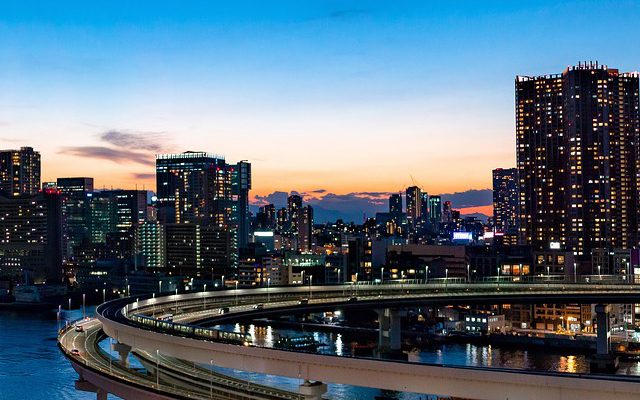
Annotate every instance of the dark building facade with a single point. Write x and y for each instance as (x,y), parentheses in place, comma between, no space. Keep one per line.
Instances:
(31,237)
(577,158)
(76,213)
(506,200)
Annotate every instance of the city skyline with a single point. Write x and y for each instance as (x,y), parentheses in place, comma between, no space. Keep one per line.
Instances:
(251,90)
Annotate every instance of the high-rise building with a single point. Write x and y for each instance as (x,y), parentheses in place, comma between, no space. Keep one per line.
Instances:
(31,237)
(577,155)
(197,251)
(305,229)
(150,238)
(266,217)
(193,187)
(202,188)
(424,206)
(281,220)
(294,204)
(414,205)
(435,209)
(395,204)
(76,213)
(19,172)
(241,184)
(505,199)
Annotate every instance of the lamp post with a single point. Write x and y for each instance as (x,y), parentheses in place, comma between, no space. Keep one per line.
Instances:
(599,275)
(468,274)
(575,273)
(159,286)
(310,279)
(176,301)
(84,312)
(157,368)
(104,294)
(204,297)
(498,280)
(382,275)
(69,303)
(426,274)
(236,292)
(128,290)
(446,277)
(268,284)
(222,281)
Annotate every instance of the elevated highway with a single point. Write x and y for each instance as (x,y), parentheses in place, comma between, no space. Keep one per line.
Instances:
(131,322)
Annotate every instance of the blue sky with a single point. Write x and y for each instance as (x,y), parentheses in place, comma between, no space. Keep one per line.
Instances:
(341,96)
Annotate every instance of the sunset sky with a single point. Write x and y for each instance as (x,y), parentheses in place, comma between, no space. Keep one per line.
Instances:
(336,96)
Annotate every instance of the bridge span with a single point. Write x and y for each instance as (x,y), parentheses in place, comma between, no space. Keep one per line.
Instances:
(131,322)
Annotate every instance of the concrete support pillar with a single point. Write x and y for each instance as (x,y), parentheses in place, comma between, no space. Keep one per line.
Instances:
(312,390)
(603,360)
(389,329)
(604,334)
(85,386)
(123,351)
(101,394)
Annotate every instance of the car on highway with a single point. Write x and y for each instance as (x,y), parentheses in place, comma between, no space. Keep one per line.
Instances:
(75,352)
(259,306)
(223,310)
(79,328)
(352,299)
(303,301)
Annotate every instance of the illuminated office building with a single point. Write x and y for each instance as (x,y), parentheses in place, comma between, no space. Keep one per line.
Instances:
(577,155)
(19,172)
(414,205)
(76,213)
(435,209)
(198,187)
(505,199)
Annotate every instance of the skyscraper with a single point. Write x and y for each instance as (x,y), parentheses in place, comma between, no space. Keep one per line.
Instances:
(395,204)
(505,199)
(76,213)
(305,229)
(435,209)
(414,205)
(577,155)
(294,205)
(19,172)
(193,187)
(241,184)
(31,237)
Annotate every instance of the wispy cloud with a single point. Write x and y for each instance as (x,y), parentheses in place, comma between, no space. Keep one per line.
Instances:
(107,153)
(124,146)
(151,141)
(143,175)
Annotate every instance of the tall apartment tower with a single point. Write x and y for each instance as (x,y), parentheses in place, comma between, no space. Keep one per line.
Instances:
(506,201)
(76,212)
(435,209)
(19,172)
(577,157)
(305,229)
(414,205)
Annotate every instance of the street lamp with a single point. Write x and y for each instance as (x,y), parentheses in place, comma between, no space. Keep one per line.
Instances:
(222,281)
(128,290)
(468,274)
(159,287)
(446,277)
(176,301)
(310,279)
(426,274)
(382,275)
(69,303)
(268,284)
(599,276)
(575,273)
(84,312)
(204,297)
(104,294)
(236,292)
